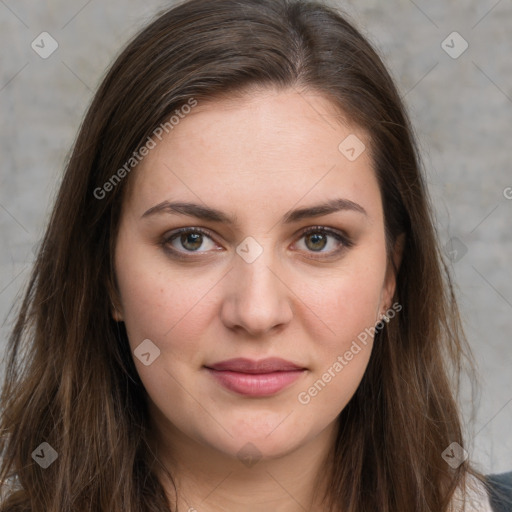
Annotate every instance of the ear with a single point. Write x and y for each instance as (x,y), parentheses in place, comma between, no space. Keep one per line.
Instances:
(117,314)
(116,309)
(390,281)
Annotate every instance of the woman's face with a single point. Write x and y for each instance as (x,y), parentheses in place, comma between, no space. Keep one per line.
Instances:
(251,284)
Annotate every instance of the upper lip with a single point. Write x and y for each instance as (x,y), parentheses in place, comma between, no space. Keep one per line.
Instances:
(269,365)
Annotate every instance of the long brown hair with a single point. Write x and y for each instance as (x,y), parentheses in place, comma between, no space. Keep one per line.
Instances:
(70,379)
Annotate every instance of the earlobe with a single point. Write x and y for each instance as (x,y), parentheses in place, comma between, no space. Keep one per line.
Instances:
(116,315)
(116,310)
(398,250)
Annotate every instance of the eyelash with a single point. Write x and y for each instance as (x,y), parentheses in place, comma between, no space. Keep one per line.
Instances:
(345,242)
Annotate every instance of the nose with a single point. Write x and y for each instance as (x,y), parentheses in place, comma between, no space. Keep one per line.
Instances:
(257,297)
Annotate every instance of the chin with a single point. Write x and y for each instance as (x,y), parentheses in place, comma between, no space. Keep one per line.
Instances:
(254,440)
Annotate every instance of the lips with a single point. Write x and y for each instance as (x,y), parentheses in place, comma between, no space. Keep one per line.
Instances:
(269,365)
(256,378)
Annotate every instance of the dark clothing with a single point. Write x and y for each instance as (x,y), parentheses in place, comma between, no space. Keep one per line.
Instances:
(499,488)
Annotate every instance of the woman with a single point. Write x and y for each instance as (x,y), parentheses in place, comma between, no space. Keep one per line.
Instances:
(240,302)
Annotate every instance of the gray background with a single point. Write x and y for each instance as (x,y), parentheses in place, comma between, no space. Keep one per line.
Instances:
(461,109)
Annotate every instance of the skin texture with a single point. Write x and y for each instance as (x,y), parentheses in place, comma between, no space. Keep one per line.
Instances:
(301,300)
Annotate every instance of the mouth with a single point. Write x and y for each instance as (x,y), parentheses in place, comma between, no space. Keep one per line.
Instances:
(256,378)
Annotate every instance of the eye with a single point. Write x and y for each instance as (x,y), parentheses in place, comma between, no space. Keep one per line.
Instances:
(191,239)
(317,239)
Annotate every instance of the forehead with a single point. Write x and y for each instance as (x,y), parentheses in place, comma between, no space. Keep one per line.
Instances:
(268,146)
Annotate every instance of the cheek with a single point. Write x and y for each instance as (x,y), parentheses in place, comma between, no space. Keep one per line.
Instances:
(340,357)
(346,306)
(344,303)
(165,305)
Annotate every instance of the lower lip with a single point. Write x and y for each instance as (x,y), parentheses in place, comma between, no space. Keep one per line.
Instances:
(256,384)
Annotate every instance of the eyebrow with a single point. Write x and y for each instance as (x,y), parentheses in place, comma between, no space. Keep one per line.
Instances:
(211,214)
